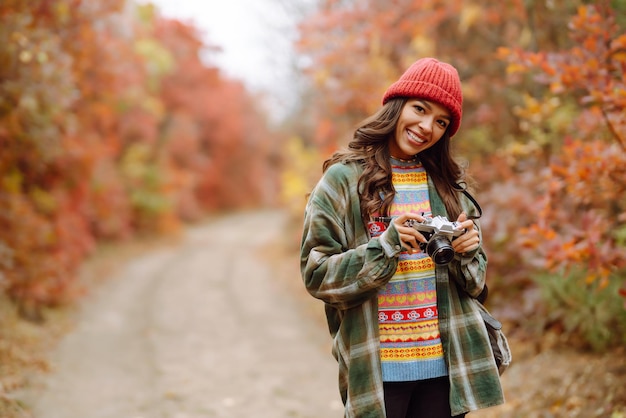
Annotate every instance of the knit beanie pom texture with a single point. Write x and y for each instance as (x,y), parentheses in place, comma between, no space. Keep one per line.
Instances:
(433,80)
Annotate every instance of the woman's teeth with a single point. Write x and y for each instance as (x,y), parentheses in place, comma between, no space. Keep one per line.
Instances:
(415,137)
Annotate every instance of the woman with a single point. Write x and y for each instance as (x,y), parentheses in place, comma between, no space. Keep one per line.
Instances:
(407,333)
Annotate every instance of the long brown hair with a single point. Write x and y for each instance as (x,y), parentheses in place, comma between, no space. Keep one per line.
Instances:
(370,147)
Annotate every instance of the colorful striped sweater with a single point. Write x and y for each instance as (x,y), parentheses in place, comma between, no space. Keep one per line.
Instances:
(410,343)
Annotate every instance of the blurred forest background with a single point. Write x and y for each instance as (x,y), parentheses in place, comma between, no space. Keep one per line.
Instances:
(113,128)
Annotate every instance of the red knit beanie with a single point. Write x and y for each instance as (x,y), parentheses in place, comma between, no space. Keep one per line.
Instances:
(430,79)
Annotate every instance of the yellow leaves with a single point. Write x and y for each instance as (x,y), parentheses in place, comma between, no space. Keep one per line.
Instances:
(293,189)
(534,112)
(62,11)
(154,106)
(514,68)
(25,57)
(146,13)
(620,56)
(521,150)
(302,169)
(43,200)
(470,14)
(423,45)
(377,63)
(12,181)
(321,76)
(159,60)
(601,277)
(29,103)
(135,161)
(375,49)
(532,107)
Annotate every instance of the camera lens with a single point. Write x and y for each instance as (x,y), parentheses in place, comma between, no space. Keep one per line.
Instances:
(440,250)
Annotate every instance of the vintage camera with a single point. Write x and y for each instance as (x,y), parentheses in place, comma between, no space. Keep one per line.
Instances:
(439,232)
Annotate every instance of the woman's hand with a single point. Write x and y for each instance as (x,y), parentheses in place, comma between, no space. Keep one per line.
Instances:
(468,241)
(409,236)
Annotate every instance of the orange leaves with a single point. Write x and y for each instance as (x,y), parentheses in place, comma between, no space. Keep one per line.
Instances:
(594,66)
(520,61)
(325,129)
(592,163)
(576,226)
(534,236)
(618,52)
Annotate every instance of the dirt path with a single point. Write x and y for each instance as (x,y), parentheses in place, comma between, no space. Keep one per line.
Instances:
(202,329)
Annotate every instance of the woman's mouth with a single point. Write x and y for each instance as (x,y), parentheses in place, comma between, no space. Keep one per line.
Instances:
(413,137)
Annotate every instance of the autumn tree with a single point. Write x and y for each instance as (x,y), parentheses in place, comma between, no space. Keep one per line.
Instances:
(579,231)
(543,89)
(112,125)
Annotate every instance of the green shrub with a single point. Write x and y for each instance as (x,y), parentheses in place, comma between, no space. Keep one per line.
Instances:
(590,311)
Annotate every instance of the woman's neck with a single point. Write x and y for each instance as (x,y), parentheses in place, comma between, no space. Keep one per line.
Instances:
(404,160)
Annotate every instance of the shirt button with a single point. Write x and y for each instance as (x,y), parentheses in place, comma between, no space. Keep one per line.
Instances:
(398,247)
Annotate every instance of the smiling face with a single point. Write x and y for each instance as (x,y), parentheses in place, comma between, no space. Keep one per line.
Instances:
(421,124)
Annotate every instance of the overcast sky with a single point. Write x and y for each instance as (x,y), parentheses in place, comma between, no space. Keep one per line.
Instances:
(256,37)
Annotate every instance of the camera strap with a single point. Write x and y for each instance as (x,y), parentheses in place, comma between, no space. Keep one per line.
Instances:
(463,190)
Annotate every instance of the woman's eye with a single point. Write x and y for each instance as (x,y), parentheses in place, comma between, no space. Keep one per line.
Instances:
(419,108)
(443,123)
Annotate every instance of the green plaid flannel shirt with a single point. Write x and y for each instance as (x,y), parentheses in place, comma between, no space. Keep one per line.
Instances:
(343,267)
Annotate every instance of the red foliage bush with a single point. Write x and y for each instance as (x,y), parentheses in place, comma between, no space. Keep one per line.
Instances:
(581,208)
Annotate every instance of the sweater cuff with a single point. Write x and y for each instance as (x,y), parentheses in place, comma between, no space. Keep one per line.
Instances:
(390,241)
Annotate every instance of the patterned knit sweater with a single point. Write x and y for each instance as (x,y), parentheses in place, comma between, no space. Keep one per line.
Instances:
(410,344)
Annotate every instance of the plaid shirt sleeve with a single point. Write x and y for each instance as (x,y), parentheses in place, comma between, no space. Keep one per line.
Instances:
(340,264)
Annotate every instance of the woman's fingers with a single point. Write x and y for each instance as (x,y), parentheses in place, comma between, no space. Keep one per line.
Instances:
(468,241)
(409,236)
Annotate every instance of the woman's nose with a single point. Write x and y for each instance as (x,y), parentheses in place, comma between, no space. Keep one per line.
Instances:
(427,124)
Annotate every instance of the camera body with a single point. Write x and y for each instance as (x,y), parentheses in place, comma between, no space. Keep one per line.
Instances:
(439,233)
